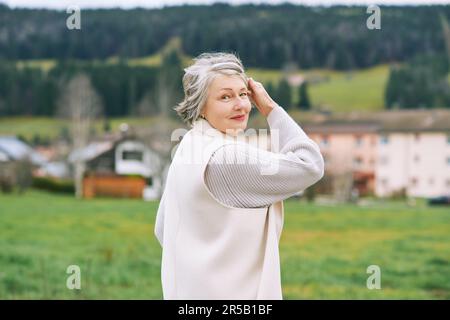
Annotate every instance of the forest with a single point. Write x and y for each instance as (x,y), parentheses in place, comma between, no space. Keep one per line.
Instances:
(413,41)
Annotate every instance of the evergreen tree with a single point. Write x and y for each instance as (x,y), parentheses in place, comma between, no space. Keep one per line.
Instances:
(271,90)
(304,102)
(284,94)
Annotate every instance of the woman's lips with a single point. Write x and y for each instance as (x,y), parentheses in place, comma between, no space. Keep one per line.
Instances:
(239,118)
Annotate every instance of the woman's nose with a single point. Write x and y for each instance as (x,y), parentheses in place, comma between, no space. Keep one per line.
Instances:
(241,103)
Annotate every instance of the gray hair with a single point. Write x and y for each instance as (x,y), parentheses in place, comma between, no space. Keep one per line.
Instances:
(199,76)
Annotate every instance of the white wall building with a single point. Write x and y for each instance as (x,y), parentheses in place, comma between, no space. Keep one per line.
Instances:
(417,161)
(407,150)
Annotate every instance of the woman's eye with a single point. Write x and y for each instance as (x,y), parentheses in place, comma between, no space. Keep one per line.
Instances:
(228,96)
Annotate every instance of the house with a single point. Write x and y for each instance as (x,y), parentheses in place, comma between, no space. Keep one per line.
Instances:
(54,169)
(13,149)
(18,161)
(348,147)
(56,165)
(414,153)
(396,151)
(125,167)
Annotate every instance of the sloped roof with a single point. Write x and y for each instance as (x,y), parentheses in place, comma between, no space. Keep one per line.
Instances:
(334,126)
(382,121)
(16,149)
(416,120)
(91,151)
(97,148)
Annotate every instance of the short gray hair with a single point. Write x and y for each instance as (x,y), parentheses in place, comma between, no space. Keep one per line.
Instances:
(199,76)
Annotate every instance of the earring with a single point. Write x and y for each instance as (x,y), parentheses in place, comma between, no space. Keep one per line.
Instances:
(202,116)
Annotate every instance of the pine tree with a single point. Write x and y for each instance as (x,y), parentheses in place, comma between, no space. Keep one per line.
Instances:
(304,102)
(271,90)
(284,94)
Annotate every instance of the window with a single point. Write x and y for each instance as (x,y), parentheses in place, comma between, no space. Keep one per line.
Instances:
(414,181)
(149,181)
(132,155)
(448,161)
(416,158)
(384,182)
(357,161)
(431,181)
(448,138)
(384,139)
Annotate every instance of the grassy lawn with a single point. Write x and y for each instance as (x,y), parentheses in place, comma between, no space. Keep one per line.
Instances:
(48,127)
(338,91)
(325,250)
(345,91)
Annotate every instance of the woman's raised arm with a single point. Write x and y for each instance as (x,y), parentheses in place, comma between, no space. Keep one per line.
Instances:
(237,175)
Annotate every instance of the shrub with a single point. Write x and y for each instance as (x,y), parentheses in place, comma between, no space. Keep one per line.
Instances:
(6,185)
(399,194)
(53,185)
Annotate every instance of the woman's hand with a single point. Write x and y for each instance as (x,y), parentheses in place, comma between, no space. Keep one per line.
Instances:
(260,98)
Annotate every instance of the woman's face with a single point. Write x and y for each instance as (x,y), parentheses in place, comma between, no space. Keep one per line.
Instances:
(227,99)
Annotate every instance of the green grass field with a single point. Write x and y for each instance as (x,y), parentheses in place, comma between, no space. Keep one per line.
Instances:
(325,250)
(48,127)
(355,91)
(338,91)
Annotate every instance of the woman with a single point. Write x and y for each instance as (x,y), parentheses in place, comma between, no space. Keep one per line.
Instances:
(220,217)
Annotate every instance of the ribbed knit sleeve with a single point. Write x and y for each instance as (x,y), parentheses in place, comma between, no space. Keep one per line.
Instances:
(244,176)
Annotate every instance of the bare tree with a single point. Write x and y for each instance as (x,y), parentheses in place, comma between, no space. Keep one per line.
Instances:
(165,93)
(161,100)
(81,104)
(343,186)
(340,176)
(158,136)
(23,173)
(145,107)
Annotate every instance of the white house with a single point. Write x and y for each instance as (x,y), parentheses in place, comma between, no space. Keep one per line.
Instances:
(111,164)
(414,155)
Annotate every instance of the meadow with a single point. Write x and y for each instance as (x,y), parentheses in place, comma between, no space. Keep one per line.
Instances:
(325,249)
(338,91)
